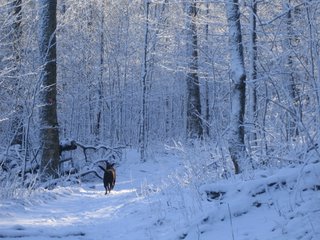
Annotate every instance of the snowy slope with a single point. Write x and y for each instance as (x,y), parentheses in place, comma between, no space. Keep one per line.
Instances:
(151,201)
(283,204)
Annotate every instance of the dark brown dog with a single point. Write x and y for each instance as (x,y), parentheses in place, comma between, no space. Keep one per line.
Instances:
(109,177)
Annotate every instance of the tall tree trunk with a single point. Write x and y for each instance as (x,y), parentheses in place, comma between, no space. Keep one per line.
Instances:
(238,77)
(49,129)
(292,129)
(98,111)
(252,93)
(207,116)
(16,7)
(17,123)
(314,57)
(194,124)
(144,78)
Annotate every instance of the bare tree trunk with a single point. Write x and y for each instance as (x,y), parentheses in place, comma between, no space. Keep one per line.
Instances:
(252,89)
(98,111)
(314,58)
(143,115)
(16,35)
(207,116)
(292,129)
(49,129)
(238,77)
(194,124)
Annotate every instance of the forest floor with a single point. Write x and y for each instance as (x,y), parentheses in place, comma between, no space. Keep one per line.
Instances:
(157,200)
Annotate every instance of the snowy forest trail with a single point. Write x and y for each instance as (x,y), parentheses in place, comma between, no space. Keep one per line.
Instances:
(68,214)
(158,200)
(85,212)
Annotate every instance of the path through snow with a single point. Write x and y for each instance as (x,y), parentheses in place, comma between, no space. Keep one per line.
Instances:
(151,201)
(86,212)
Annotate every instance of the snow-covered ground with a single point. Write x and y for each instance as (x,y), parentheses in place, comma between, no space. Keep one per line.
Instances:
(155,200)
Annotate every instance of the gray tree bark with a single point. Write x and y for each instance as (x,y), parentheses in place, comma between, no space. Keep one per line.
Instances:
(252,86)
(194,123)
(143,138)
(16,35)
(292,128)
(238,77)
(49,129)
(98,111)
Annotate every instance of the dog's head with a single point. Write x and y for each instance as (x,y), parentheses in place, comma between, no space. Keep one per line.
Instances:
(109,165)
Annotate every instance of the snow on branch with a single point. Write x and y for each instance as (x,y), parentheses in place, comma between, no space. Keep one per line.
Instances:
(113,150)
